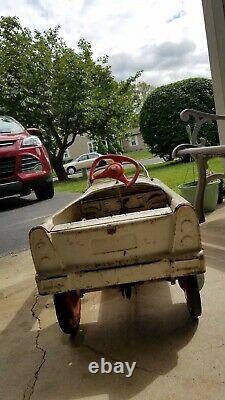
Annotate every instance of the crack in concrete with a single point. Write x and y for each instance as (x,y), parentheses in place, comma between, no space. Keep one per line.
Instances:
(29,391)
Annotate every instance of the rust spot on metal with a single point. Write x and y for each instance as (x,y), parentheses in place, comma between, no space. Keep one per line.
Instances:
(40,244)
(111,229)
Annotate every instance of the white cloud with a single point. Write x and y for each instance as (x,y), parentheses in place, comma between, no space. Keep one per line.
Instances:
(166,38)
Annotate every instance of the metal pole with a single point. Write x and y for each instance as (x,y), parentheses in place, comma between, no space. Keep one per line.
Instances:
(199,196)
(84,172)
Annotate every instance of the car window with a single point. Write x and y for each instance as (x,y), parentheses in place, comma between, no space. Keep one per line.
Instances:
(9,126)
(93,155)
(83,157)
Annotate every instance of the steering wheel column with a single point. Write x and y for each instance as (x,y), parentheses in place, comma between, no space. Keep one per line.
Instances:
(115,170)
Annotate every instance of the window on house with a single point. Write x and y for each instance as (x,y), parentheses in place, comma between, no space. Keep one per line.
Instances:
(105,143)
(133,140)
(66,154)
(91,147)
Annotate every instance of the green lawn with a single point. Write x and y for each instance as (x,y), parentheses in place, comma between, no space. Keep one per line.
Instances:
(139,154)
(172,174)
(72,185)
(175,173)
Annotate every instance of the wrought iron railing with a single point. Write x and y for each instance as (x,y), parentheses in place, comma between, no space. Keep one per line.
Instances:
(201,153)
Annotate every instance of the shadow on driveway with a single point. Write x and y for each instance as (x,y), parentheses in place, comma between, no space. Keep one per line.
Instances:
(12,203)
(149,329)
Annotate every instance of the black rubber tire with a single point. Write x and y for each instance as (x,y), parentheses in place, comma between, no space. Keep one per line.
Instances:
(186,158)
(193,299)
(71,169)
(167,157)
(67,308)
(44,191)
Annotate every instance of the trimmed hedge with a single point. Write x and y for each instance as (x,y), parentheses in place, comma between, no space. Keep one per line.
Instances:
(160,122)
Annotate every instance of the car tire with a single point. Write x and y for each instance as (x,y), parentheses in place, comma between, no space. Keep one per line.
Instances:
(68,308)
(186,158)
(167,157)
(190,286)
(44,191)
(70,170)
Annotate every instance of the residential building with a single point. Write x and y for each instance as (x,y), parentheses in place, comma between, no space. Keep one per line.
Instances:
(134,141)
(83,144)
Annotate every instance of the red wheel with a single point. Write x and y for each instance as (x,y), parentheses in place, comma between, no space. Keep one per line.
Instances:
(68,307)
(189,284)
(114,170)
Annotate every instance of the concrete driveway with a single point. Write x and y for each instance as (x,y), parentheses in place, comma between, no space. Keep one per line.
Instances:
(176,359)
(151,161)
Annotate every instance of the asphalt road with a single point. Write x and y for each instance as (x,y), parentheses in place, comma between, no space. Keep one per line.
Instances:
(151,161)
(19,215)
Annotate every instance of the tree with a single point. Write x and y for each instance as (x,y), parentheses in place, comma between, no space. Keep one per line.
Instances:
(160,122)
(143,90)
(46,84)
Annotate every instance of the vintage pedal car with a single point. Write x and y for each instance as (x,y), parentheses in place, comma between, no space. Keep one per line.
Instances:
(120,232)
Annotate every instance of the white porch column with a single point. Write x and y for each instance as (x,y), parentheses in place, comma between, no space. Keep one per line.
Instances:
(214,15)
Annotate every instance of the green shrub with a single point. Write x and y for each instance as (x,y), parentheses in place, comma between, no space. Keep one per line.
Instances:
(160,122)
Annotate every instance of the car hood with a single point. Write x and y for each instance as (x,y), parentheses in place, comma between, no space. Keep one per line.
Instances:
(17,136)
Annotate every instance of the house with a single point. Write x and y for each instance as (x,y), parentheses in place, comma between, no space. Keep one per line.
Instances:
(134,142)
(83,144)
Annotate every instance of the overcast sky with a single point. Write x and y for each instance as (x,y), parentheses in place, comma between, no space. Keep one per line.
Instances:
(165,38)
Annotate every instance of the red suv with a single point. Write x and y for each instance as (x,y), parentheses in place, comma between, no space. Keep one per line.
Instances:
(24,162)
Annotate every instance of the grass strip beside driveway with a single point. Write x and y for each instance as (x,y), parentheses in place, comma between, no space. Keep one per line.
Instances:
(72,185)
(139,154)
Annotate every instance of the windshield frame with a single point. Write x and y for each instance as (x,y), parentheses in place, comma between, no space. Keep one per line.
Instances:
(11,121)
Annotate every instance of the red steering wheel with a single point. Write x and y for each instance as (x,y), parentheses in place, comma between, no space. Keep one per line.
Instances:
(115,170)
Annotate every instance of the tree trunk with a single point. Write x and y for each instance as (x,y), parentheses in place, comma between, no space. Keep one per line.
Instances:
(57,165)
